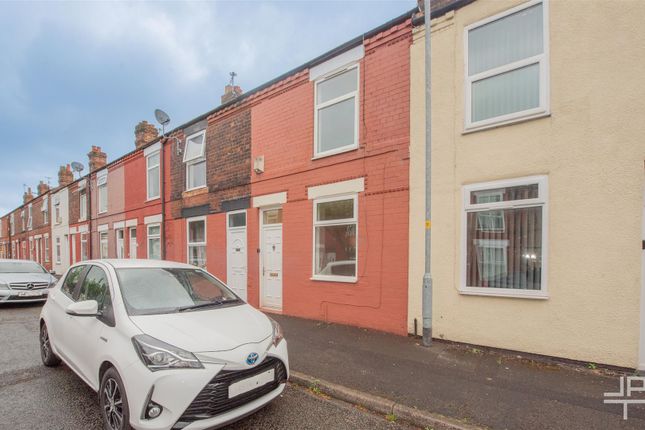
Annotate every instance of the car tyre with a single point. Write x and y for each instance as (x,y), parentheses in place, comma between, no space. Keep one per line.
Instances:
(46,352)
(114,402)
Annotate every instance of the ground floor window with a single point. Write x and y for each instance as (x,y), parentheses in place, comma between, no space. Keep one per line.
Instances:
(335,227)
(104,244)
(197,242)
(154,241)
(46,249)
(83,246)
(57,250)
(505,233)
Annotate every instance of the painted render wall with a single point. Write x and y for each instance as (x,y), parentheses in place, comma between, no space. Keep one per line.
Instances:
(591,147)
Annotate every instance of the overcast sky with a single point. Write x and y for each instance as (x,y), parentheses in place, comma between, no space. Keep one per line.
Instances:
(76,74)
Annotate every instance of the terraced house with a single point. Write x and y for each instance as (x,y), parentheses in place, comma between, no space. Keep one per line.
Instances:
(306,194)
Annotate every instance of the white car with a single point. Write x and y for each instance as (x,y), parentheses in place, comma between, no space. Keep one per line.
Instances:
(24,281)
(166,345)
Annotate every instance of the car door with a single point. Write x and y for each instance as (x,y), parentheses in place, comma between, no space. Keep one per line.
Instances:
(58,320)
(89,331)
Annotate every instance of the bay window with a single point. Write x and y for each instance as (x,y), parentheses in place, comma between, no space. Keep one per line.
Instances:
(335,238)
(505,230)
(507,66)
(195,161)
(336,112)
(197,241)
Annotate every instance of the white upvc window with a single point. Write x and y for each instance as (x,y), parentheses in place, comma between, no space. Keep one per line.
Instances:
(154,241)
(45,210)
(336,112)
(22,219)
(82,205)
(195,160)
(104,244)
(84,246)
(101,183)
(57,250)
(196,230)
(335,238)
(12,227)
(507,66)
(30,218)
(31,248)
(46,239)
(152,175)
(57,213)
(504,231)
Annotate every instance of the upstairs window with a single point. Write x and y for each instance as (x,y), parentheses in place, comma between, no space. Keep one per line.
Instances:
(45,210)
(101,182)
(12,227)
(152,175)
(336,112)
(505,236)
(195,161)
(82,204)
(22,219)
(507,66)
(30,218)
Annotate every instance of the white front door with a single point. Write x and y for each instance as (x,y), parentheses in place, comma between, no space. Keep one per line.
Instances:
(73,239)
(236,252)
(271,259)
(120,247)
(133,242)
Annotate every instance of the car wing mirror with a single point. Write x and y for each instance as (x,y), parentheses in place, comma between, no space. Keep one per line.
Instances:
(85,308)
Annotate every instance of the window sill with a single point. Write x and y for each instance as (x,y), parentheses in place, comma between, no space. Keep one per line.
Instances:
(505,292)
(341,279)
(335,152)
(194,192)
(151,199)
(512,121)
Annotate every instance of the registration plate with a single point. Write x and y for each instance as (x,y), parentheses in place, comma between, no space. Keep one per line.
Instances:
(248,384)
(30,294)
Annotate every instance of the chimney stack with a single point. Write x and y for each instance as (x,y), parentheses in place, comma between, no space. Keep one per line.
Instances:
(144,133)
(27,196)
(231,92)
(97,158)
(42,188)
(65,176)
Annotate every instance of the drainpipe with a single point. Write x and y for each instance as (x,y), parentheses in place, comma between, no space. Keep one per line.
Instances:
(427,277)
(162,161)
(90,254)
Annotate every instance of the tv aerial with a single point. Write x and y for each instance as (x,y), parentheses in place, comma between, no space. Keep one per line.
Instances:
(163,118)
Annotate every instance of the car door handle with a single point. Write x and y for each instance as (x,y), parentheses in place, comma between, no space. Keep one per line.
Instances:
(103,339)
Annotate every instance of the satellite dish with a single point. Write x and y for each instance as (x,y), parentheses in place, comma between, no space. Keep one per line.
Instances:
(77,167)
(162,117)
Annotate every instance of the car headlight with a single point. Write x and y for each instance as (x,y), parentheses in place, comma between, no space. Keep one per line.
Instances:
(278,335)
(52,282)
(158,355)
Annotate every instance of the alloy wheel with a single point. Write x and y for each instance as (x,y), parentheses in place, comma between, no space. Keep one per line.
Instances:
(45,347)
(112,404)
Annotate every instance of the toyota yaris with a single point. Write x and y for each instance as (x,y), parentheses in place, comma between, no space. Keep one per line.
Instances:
(166,345)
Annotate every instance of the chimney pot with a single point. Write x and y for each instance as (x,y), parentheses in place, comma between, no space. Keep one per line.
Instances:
(42,188)
(231,92)
(144,133)
(27,196)
(97,158)
(65,175)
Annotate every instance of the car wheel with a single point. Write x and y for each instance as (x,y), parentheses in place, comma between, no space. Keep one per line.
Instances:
(114,402)
(46,353)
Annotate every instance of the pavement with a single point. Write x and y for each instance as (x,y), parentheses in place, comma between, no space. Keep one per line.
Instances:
(35,397)
(472,386)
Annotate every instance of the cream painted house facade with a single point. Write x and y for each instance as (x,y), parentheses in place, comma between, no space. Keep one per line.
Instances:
(538,134)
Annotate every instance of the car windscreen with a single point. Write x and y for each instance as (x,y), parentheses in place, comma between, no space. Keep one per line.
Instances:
(153,290)
(21,267)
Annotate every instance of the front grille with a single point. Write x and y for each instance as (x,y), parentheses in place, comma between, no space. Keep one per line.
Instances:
(213,399)
(25,285)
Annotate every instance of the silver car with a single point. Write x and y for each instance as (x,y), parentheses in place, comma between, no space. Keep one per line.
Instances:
(24,281)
